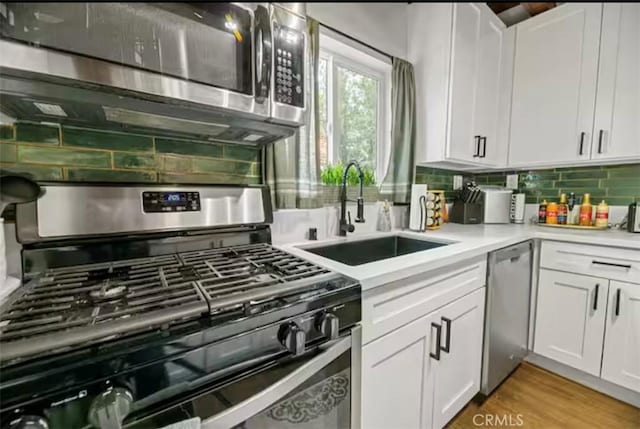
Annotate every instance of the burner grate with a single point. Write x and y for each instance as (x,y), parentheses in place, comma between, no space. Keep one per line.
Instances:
(89,303)
(241,270)
(79,302)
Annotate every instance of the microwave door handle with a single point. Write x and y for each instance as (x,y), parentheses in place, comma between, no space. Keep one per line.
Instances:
(272,394)
(264,52)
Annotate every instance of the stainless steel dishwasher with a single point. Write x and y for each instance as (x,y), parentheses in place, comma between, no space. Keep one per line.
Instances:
(506,325)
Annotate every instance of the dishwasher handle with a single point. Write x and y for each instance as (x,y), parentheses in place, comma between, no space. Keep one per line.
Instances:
(512,253)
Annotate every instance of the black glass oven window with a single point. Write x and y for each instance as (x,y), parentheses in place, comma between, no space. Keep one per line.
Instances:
(208,43)
(323,400)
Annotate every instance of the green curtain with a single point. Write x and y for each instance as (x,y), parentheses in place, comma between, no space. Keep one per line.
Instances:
(396,185)
(291,166)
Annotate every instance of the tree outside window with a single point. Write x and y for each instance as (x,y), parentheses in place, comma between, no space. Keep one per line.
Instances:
(352,114)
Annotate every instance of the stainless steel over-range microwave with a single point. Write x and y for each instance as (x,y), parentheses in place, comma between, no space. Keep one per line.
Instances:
(246,60)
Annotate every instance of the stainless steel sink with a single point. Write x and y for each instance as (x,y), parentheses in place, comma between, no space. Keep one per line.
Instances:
(375,249)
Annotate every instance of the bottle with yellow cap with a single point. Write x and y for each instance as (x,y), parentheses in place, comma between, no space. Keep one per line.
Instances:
(586,210)
(563,210)
(602,215)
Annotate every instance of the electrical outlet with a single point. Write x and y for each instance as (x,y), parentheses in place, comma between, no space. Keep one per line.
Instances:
(512,181)
(457,182)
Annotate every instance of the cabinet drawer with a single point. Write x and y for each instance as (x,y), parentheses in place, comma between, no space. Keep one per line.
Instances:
(608,262)
(391,306)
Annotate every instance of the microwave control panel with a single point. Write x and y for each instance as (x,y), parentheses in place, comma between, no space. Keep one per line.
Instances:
(170,202)
(289,66)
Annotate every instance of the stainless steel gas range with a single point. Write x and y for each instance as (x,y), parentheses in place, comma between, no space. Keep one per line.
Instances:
(145,306)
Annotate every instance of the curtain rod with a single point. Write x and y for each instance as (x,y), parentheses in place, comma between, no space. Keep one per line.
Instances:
(356,40)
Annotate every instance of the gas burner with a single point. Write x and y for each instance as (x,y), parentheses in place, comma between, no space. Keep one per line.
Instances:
(108,292)
(96,302)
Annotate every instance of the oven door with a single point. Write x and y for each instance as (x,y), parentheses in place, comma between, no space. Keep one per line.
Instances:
(317,390)
(217,54)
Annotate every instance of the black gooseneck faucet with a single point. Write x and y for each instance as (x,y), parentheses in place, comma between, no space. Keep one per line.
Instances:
(345,222)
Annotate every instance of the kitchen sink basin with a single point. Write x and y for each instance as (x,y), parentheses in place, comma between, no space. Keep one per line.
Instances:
(375,249)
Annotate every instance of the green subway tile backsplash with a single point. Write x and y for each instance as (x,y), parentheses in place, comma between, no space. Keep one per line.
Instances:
(95,175)
(58,156)
(631,171)
(241,153)
(37,133)
(134,160)
(204,165)
(35,172)
(105,140)
(7,152)
(188,147)
(208,178)
(175,163)
(6,132)
(57,153)
(617,184)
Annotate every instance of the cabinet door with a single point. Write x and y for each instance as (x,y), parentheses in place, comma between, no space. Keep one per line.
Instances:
(457,376)
(621,357)
(467,24)
(397,382)
(570,319)
(493,53)
(617,129)
(554,86)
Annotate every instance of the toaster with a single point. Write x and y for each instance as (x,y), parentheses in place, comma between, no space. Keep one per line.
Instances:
(633,218)
(496,201)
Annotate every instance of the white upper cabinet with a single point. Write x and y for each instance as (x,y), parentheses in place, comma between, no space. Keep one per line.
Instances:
(493,88)
(554,87)
(616,131)
(462,56)
(467,23)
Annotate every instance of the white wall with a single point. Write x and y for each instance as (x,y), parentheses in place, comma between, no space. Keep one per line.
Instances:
(381,25)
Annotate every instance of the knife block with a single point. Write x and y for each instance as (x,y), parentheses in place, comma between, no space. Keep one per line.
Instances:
(466,213)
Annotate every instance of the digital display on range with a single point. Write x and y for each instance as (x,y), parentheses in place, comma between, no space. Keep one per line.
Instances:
(170,202)
(174,198)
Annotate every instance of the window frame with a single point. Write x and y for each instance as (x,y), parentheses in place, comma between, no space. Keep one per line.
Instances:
(339,54)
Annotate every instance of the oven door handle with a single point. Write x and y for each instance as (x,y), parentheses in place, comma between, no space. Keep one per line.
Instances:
(264,50)
(272,394)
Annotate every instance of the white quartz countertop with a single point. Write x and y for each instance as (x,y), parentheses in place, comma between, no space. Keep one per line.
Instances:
(469,241)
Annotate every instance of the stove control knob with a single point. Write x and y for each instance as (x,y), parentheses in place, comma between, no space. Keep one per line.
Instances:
(293,338)
(328,325)
(109,409)
(30,422)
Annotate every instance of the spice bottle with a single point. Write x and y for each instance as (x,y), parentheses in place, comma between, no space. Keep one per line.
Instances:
(586,210)
(571,202)
(542,212)
(602,215)
(563,210)
(552,213)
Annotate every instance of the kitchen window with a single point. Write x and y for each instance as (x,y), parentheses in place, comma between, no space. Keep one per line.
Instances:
(354,91)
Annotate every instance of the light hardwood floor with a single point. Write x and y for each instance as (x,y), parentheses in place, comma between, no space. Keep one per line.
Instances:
(546,401)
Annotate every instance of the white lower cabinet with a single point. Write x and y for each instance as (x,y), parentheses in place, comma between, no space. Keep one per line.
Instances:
(457,374)
(570,319)
(592,322)
(621,355)
(410,380)
(397,377)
